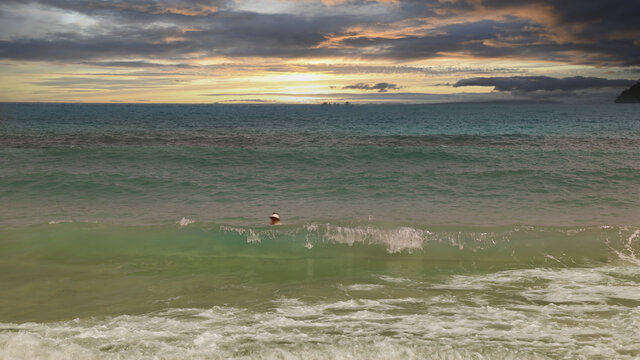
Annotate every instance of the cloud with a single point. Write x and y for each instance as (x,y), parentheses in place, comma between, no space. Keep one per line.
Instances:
(597,32)
(600,31)
(135,64)
(426,70)
(95,83)
(391,97)
(90,45)
(591,15)
(232,34)
(153,7)
(527,84)
(396,97)
(381,87)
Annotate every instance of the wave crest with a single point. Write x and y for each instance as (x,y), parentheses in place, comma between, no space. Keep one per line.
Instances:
(518,244)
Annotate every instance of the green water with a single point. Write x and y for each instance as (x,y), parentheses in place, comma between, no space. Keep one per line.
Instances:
(66,270)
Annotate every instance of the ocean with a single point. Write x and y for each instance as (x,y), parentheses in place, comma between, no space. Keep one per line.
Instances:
(452,231)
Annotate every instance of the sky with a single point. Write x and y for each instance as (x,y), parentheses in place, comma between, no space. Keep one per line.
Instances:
(315,51)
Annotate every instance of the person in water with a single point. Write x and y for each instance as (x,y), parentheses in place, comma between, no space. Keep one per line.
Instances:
(275,219)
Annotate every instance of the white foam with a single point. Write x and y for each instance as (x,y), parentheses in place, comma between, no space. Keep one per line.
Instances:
(361,287)
(393,279)
(395,240)
(409,239)
(184,222)
(629,252)
(252,235)
(355,329)
(53,222)
(567,313)
(311,227)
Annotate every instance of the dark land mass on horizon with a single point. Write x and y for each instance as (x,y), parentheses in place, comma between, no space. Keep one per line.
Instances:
(631,95)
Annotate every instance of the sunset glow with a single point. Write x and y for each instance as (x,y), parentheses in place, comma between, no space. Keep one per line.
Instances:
(280,51)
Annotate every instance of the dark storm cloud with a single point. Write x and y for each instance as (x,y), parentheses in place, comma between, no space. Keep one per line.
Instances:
(462,38)
(494,39)
(380,87)
(608,30)
(596,32)
(232,41)
(223,33)
(543,83)
(124,8)
(277,35)
(95,48)
(604,15)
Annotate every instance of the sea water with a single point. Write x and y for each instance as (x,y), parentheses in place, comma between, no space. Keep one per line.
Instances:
(409,231)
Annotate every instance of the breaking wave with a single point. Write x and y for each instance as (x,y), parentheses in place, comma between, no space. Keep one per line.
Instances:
(516,244)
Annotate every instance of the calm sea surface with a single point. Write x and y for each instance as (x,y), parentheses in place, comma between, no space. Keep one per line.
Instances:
(410,231)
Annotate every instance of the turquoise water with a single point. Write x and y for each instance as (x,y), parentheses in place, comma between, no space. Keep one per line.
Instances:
(438,231)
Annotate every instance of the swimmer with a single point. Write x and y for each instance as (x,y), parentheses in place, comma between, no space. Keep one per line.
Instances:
(275,219)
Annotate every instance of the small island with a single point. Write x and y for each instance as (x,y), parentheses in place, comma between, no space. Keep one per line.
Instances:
(631,95)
